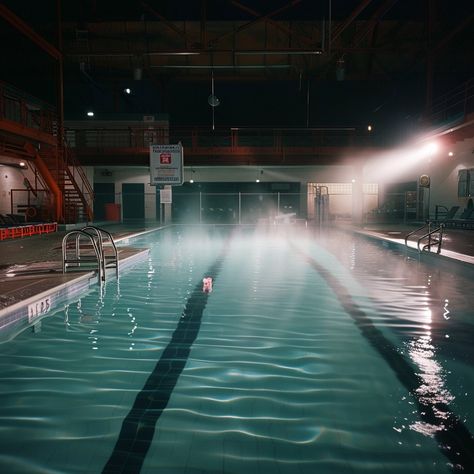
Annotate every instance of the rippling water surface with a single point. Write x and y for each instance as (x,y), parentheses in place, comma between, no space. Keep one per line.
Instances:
(331,355)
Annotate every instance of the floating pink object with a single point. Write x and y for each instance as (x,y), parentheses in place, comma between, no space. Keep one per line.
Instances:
(207,284)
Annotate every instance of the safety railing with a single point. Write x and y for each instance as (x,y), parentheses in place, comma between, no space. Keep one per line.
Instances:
(456,103)
(430,237)
(79,180)
(78,261)
(109,260)
(203,138)
(18,106)
(80,257)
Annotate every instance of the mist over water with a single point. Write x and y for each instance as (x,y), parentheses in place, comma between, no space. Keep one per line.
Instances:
(279,379)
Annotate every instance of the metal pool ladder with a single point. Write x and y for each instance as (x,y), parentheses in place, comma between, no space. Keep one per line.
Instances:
(431,238)
(92,246)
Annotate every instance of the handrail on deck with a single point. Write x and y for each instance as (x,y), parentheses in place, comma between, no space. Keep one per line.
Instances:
(430,235)
(432,241)
(428,224)
(97,241)
(99,233)
(77,260)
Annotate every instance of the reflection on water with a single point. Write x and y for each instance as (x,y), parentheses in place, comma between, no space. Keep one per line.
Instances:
(279,379)
(414,304)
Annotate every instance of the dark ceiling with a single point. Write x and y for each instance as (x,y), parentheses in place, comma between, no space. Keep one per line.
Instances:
(278,63)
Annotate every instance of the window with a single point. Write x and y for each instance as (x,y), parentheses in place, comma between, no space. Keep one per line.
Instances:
(464,183)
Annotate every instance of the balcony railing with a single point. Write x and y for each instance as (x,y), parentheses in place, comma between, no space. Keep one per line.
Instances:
(220,139)
(17,106)
(454,105)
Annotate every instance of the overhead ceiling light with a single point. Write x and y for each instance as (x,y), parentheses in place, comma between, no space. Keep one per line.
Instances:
(230,66)
(450,153)
(90,113)
(277,52)
(22,164)
(429,149)
(174,53)
(369,128)
(127,90)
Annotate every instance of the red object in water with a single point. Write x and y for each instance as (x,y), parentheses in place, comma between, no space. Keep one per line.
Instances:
(207,284)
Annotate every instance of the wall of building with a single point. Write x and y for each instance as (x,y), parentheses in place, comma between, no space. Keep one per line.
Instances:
(12,182)
(238,174)
(407,164)
(396,166)
(10,178)
(121,175)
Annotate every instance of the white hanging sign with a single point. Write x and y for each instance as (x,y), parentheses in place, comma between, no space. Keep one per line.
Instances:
(166,164)
(166,196)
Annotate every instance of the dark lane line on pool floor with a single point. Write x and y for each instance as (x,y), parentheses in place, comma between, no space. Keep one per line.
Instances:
(138,427)
(454,439)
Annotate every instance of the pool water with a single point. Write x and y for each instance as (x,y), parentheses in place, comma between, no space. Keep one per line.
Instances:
(327,354)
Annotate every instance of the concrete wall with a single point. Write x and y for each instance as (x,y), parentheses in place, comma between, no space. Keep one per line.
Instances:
(392,167)
(12,178)
(396,166)
(121,175)
(301,174)
(405,165)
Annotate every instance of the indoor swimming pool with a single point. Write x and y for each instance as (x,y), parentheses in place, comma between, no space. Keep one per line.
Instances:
(312,354)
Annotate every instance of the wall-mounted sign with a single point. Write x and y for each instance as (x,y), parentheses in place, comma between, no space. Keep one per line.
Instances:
(166,196)
(166,164)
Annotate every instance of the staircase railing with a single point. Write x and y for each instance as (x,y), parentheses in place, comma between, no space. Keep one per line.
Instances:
(79,180)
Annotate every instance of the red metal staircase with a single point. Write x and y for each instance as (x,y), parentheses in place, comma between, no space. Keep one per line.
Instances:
(76,192)
(25,121)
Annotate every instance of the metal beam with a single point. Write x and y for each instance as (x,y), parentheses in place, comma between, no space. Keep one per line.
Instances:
(247,25)
(373,40)
(374,19)
(358,37)
(355,13)
(23,131)
(260,17)
(24,28)
(165,21)
(203,23)
(430,56)
(441,44)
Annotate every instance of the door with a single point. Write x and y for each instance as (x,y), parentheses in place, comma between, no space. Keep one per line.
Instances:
(104,193)
(133,200)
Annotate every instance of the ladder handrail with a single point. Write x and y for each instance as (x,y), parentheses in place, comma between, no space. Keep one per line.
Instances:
(97,251)
(428,224)
(438,241)
(98,231)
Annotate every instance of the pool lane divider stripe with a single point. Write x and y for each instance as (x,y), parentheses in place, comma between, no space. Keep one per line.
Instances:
(454,439)
(138,428)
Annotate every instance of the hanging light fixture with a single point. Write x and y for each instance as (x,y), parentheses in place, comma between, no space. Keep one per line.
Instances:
(212,100)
